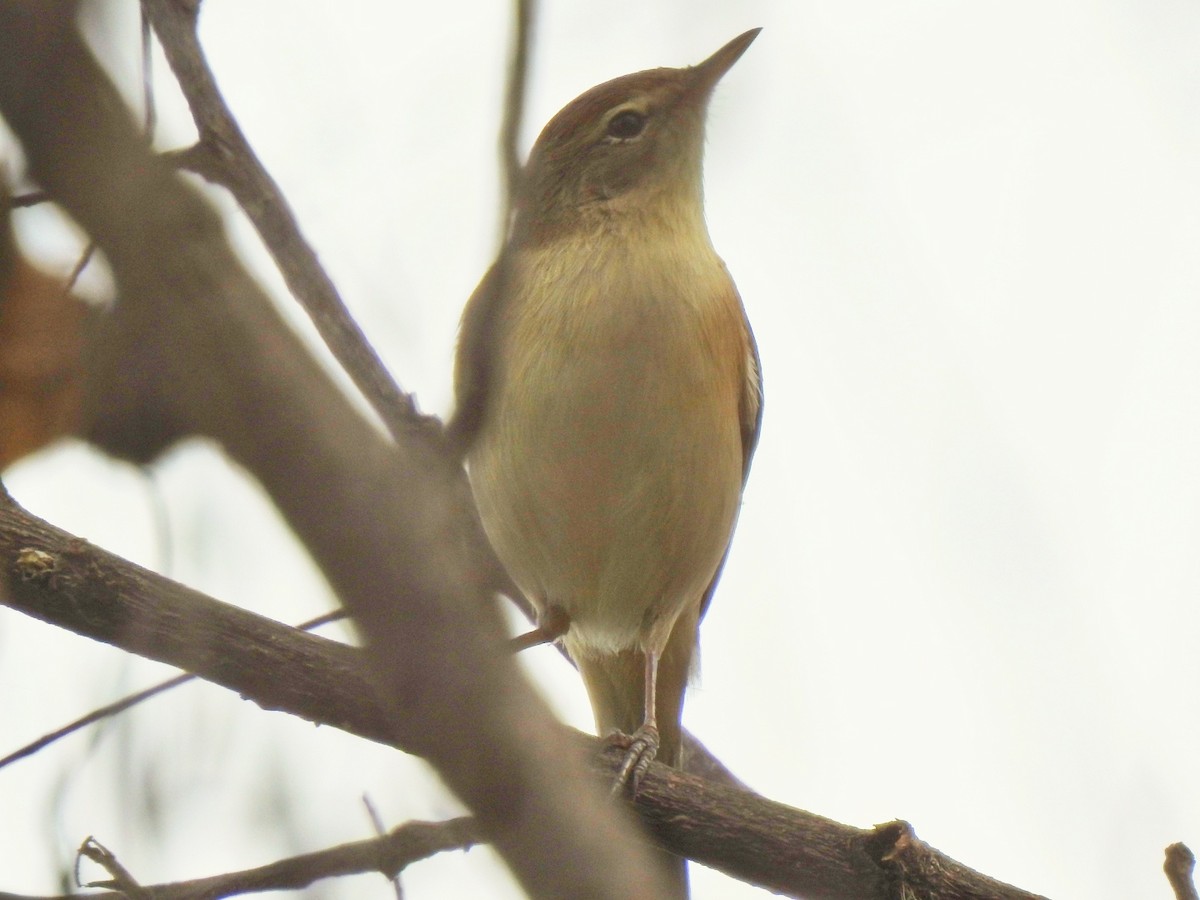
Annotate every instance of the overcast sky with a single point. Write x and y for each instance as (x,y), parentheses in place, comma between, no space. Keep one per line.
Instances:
(964,590)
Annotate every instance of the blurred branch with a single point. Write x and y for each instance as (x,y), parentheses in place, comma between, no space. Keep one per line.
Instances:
(41,350)
(33,198)
(514,108)
(1178,865)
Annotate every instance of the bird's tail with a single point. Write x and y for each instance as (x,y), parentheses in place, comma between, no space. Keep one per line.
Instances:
(616,687)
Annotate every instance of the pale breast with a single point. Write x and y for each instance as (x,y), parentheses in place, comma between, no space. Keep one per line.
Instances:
(609,473)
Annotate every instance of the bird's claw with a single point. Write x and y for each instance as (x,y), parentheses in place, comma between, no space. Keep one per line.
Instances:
(640,749)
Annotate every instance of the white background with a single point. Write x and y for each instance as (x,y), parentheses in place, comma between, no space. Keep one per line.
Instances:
(964,589)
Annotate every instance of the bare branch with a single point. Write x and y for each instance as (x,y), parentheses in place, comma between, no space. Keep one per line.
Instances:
(514,107)
(122,880)
(1179,865)
(93,717)
(33,198)
(235,166)
(80,264)
(128,702)
(388,855)
(377,824)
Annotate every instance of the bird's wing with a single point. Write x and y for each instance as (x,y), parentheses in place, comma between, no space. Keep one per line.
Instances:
(751,407)
(474,363)
(750,410)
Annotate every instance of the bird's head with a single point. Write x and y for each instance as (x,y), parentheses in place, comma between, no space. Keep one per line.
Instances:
(627,144)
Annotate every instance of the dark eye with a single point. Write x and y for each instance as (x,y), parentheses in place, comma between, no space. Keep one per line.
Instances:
(626,125)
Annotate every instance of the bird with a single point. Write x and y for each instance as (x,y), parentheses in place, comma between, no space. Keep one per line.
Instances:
(609,395)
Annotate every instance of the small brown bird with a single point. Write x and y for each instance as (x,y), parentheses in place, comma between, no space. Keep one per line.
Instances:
(609,394)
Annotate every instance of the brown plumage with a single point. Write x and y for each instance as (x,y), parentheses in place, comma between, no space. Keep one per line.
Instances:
(609,394)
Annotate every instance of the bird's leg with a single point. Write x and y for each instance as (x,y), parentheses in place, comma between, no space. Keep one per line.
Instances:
(643,743)
(552,624)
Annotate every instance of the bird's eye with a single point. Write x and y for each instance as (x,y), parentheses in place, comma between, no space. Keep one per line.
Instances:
(626,125)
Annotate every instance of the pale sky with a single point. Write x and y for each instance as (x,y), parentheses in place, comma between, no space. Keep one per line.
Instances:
(965,586)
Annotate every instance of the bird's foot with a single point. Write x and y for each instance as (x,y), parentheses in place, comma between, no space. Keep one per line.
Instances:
(640,749)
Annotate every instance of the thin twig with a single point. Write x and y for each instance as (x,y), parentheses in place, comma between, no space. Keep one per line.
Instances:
(388,855)
(96,715)
(122,879)
(148,105)
(84,258)
(239,170)
(119,706)
(514,108)
(33,198)
(380,831)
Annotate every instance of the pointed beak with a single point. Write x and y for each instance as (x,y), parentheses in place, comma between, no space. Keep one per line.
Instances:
(709,72)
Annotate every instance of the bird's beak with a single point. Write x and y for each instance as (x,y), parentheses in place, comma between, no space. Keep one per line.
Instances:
(709,72)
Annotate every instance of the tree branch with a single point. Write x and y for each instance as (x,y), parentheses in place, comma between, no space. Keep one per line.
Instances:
(232,163)
(388,855)
(224,157)
(58,578)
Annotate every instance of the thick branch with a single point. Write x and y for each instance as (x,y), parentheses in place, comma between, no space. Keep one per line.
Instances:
(58,578)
